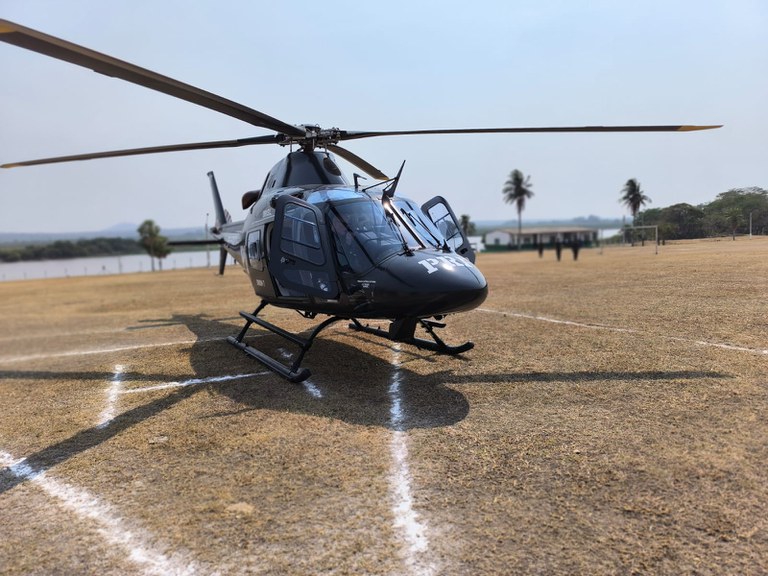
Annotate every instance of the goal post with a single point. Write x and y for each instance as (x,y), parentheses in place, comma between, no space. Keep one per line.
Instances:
(632,229)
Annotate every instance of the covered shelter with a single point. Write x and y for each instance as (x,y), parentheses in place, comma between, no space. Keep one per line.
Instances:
(532,237)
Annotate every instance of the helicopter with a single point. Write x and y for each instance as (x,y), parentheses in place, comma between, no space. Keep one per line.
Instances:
(313,241)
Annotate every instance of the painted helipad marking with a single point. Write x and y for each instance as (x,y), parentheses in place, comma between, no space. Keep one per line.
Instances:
(406,520)
(112,392)
(308,385)
(625,330)
(11,359)
(110,526)
(69,334)
(192,382)
(93,351)
(718,345)
(313,390)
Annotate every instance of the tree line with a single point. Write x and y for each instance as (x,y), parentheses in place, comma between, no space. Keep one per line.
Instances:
(735,212)
(68,249)
(150,241)
(739,211)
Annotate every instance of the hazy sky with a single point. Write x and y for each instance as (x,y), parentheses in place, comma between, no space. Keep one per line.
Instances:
(387,65)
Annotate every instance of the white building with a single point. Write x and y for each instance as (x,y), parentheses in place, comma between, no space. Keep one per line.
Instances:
(532,236)
(477,243)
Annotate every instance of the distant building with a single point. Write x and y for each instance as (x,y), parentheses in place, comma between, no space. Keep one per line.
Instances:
(532,236)
(477,243)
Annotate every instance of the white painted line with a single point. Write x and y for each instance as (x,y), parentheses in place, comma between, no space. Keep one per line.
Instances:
(112,392)
(396,415)
(50,335)
(625,330)
(11,359)
(406,520)
(718,345)
(308,385)
(134,541)
(191,382)
(556,321)
(312,389)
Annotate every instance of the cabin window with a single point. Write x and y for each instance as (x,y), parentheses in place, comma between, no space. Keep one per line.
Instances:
(255,250)
(301,235)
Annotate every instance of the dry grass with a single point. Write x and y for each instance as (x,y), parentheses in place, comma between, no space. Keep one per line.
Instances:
(609,421)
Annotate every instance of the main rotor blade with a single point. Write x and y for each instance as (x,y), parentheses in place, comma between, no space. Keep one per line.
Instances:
(23,37)
(355,160)
(152,150)
(677,128)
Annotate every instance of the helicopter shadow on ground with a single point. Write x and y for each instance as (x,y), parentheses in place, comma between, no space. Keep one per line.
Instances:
(40,377)
(88,438)
(347,383)
(358,387)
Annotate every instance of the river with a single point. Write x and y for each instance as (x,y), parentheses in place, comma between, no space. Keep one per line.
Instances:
(38,269)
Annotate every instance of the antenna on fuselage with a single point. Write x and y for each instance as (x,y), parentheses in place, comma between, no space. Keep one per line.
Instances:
(389,191)
(358,177)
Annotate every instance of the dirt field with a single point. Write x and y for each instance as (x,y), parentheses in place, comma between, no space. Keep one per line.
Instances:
(610,420)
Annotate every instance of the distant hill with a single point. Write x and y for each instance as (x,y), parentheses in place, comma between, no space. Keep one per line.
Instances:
(122,230)
(484,226)
(128,230)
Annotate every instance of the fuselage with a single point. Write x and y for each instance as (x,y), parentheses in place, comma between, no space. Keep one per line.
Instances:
(333,249)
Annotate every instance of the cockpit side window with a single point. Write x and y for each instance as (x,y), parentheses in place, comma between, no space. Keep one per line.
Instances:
(426,230)
(440,213)
(445,223)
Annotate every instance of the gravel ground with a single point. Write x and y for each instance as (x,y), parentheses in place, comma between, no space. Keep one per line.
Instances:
(610,420)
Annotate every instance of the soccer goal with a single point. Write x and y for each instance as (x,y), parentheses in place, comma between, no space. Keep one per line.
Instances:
(631,232)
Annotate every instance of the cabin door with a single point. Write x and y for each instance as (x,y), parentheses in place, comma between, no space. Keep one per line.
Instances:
(439,211)
(301,257)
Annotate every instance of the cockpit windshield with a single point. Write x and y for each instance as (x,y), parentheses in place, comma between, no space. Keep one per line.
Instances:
(362,233)
(365,232)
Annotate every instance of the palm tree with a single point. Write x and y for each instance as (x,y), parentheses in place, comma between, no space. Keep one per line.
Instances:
(517,189)
(733,219)
(634,199)
(467,226)
(153,242)
(161,250)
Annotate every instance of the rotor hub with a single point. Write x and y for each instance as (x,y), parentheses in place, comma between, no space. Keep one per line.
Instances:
(314,137)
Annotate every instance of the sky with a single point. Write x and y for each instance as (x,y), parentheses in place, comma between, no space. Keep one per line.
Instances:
(395,65)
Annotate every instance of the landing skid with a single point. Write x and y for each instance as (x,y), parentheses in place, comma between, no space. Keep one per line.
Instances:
(403,331)
(399,331)
(291,373)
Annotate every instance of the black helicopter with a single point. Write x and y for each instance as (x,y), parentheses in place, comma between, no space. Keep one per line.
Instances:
(311,240)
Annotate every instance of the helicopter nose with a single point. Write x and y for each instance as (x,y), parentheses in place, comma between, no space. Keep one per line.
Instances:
(435,284)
